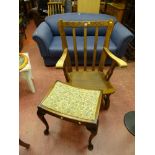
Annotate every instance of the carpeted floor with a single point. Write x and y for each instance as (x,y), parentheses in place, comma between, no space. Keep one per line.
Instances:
(67,138)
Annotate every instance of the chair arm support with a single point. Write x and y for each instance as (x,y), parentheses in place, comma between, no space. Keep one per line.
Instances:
(60,63)
(43,36)
(119,61)
(121,36)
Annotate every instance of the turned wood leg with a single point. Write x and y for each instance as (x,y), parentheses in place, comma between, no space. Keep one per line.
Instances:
(24,144)
(41,114)
(107,101)
(93,129)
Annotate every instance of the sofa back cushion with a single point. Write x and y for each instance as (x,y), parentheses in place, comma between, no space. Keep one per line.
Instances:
(53,20)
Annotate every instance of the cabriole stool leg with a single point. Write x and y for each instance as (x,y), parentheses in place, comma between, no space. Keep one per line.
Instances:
(41,114)
(107,101)
(93,129)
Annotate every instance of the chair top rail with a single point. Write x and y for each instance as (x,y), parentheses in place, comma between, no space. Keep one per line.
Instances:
(55,3)
(86,23)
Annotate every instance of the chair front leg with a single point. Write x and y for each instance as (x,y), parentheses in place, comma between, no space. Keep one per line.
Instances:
(93,129)
(110,71)
(107,101)
(41,114)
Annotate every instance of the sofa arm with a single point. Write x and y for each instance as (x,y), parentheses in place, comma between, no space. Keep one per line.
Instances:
(43,36)
(121,36)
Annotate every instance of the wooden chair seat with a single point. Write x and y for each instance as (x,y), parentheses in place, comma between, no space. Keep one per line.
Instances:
(91,80)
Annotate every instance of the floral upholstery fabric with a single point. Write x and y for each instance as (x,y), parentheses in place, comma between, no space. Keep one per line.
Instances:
(72,101)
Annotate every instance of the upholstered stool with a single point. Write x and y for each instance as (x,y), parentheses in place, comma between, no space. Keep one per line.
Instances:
(72,104)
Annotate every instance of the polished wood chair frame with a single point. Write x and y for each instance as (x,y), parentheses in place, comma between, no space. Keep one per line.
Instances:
(55,7)
(90,77)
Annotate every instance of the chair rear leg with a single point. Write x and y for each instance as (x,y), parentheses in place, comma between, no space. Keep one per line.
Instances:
(106,101)
(93,129)
(41,114)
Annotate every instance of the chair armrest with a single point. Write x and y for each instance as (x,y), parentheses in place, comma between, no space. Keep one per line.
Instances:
(119,61)
(43,36)
(121,36)
(60,63)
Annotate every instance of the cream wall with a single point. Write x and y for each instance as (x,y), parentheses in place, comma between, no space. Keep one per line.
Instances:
(88,6)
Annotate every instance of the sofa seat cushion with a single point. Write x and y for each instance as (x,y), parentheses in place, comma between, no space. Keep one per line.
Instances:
(55,48)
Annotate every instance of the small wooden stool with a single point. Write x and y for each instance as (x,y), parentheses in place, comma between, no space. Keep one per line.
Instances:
(72,104)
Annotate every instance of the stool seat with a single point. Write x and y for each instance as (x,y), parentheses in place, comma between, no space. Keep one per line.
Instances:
(76,103)
(73,104)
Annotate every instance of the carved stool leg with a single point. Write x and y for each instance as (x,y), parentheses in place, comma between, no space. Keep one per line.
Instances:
(107,101)
(93,129)
(41,114)
(24,144)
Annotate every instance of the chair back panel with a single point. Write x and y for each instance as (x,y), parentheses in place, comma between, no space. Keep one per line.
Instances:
(109,24)
(55,7)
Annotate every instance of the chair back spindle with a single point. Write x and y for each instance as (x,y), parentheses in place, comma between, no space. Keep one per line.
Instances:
(108,33)
(95,48)
(75,48)
(85,46)
(62,34)
(110,25)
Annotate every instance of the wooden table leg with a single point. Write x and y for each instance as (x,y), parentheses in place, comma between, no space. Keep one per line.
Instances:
(93,129)
(24,144)
(41,114)
(30,82)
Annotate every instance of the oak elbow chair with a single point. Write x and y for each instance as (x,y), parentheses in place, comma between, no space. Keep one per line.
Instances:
(90,77)
(55,7)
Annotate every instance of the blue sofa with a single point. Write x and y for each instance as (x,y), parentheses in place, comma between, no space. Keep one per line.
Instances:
(48,38)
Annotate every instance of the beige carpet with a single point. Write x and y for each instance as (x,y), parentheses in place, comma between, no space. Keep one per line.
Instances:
(66,138)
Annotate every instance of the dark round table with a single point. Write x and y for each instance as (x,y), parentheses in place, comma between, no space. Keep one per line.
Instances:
(129,121)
